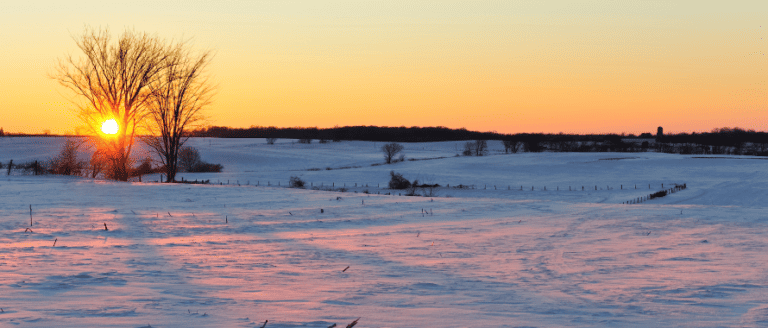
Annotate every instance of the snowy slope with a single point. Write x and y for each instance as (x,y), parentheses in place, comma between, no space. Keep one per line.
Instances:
(234,256)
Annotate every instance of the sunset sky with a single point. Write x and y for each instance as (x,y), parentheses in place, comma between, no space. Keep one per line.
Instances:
(510,66)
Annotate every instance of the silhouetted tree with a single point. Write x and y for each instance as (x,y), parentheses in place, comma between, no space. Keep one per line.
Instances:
(177,99)
(112,81)
(390,150)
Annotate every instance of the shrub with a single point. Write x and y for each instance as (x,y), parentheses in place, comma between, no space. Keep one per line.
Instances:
(189,161)
(144,168)
(659,194)
(469,149)
(397,181)
(189,157)
(296,182)
(412,188)
(271,141)
(202,167)
(66,163)
(305,141)
(98,163)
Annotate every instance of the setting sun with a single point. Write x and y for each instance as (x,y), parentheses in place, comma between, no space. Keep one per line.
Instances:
(110,127)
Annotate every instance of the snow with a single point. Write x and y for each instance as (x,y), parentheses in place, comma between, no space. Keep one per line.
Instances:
(236,255)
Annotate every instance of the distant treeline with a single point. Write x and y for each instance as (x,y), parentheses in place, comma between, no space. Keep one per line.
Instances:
(394,134)
(718,137)
(734,141)
(717,141)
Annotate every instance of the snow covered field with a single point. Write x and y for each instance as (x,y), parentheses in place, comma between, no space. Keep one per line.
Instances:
(493,256)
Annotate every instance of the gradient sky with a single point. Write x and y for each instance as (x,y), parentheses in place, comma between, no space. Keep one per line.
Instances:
(510,66)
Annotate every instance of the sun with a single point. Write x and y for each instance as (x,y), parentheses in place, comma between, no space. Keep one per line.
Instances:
(110,127)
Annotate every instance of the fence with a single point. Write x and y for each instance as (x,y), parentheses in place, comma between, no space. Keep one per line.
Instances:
(657,194)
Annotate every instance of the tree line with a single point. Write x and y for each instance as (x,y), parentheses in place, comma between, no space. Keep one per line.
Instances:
(736,138)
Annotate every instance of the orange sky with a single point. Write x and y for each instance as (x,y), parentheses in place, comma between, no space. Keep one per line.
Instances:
(509,66)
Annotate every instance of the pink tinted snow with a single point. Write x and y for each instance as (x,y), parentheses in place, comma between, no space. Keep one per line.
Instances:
(178,255)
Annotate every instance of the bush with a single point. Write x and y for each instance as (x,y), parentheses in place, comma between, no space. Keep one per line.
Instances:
(397,181)
(202,167)
(66,163)
(271,141)
(189,157)
(659,194)
(189,161)
(296,182)
(305,141)
(144,168)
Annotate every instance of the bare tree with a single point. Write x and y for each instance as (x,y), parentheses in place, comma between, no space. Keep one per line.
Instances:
(512,146)
(481,147)
(475,148)
(98,162)
(177,99)
(390,150)
(67,163)
(469,148)
(112,81)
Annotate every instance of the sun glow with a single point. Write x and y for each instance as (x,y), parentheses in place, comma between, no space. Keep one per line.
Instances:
(110,127)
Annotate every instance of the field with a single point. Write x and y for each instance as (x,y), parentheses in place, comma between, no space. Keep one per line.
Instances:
(502,251)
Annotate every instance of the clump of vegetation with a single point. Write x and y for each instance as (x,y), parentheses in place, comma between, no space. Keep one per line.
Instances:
(189,161)
(296,182)
(204,167)
(659,194)
(271,141)
(66,162)
(390,150)
(397,181)
(144,168)
(305,141)
(475,148)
